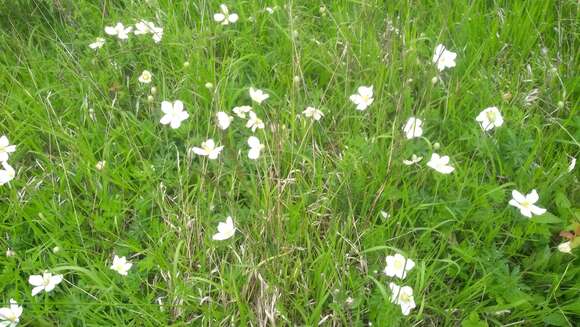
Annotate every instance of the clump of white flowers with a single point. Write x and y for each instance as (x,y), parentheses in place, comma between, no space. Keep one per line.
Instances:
(119,30)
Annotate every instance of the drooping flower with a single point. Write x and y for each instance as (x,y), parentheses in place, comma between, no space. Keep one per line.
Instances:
(242,111)
(255,147)
(565,247)
(225,230)
(312,113)
(223,120)
(99,42)
(413,128)
(5,148)
(572,164)
(224,17)
(101,165)
(10,316)
(402,296)
(363,98)
(489,118)
(526,203)
(121,265)
(440,164)
(7,174)
(119,30)
(45,282)
(414,159)
(145,77)
(208,149)
(258,95)
(398,266)
(144,27)
(254,122)
(443,58)
(174,113)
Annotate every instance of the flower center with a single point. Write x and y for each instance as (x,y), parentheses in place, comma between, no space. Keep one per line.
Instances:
(404,297)
(525,204)
(399,264)
(490,115)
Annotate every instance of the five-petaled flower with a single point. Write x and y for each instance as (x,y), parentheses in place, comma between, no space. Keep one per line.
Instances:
(402,296)
(145,27)
(258,95)
(99,42)
(440,164)
(145,77)
(10,316)
(313,113)
(5,148)
(225,17)
(119,30)
(255,147)
(241,111)
(223,120)
(443,58)
(174,113)
(121,265)
(526,203)
(363,98)
(398,266)
(225,230)
(414,159)
(254,122)
(413,128)
(7,174)
(208,149)
(45,282)
(489,118)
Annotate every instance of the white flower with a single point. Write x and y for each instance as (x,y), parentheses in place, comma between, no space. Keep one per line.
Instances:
(413,128)
(119,30)
(255,147)
(526,203)
(223,120)
(385,214)
(403,296)
(45,282)
(145,77)
(414,160)
(225,230)
(313,113)
(270,10)
(121,265)
(489,118)
(443,58)
(10,252)
(5,148)
(101,165)
(258,95)
(224,17)
(572,164)
(254,122)
(440,164)
(99,42)
(208,149)
(7,174)
(174,113)
(145,27)
(565,247)
(208,85)
(10,316)
(398,265)
(241,111)
(363,98)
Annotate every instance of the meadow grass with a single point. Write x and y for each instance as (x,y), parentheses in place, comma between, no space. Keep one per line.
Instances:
(311,241)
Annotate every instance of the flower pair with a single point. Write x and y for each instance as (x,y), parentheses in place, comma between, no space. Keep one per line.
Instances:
(398,266)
